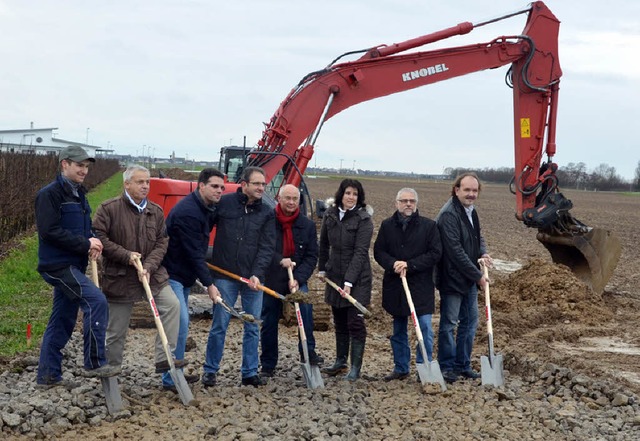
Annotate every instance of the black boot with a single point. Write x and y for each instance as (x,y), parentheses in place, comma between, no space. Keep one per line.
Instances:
(342,352)
(357,352)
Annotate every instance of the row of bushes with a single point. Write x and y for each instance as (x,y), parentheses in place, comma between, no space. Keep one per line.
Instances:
(22,175)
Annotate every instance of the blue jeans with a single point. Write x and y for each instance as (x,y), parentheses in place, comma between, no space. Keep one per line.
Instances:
(460,310)
(72,290)
(400,342)
(271,312)
(251,304)
(182,292)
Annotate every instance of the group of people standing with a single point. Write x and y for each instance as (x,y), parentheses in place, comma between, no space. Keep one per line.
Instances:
(260,244)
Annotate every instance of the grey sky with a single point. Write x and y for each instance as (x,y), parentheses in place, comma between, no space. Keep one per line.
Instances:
(191,76)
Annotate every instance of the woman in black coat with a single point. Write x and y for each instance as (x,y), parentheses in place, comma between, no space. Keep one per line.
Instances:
(345,238)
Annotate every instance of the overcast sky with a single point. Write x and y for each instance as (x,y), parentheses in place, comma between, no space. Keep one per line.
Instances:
(192,76)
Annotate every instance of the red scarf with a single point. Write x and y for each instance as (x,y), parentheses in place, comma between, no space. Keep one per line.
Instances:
(288,246)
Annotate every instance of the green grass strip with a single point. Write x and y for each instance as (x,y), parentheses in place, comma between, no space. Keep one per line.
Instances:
(24,296)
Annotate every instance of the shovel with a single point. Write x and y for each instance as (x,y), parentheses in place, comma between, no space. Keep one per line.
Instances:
(428,371)
(491,366)
(312,376)
(351,300)
(247,281)
(110,386)
(176,374)
(245,317)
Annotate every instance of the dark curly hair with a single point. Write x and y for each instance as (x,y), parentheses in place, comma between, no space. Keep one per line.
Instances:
(354,183)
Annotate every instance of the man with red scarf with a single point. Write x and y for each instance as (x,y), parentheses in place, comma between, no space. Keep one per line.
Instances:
(296,248)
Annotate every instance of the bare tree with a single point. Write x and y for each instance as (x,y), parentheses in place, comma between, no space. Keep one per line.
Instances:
(636,181)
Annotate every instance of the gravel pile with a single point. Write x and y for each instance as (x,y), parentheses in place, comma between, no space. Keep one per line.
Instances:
(539,401)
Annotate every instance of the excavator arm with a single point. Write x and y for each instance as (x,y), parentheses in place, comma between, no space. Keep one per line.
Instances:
(287,143)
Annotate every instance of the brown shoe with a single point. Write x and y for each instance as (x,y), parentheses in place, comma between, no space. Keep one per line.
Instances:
(163,366)
(396,376)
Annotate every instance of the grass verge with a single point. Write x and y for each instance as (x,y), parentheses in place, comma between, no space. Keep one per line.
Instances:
(24,296)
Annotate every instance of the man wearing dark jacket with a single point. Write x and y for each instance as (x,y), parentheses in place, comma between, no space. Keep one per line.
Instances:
(189,227)
(131,227)
(408,245)
(296,247)
(65,242)
(458,278)
(244,245)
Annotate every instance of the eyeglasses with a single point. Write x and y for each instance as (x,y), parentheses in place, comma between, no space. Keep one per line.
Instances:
(407,201)
(258,184)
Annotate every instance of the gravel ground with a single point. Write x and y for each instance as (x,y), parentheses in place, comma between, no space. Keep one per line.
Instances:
(539,401)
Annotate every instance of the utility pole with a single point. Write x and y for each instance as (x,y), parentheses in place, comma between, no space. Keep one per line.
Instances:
(354,165)
(340,171)
(87,141)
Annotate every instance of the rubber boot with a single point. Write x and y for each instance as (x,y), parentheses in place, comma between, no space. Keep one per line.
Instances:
(342,352)
(357,352)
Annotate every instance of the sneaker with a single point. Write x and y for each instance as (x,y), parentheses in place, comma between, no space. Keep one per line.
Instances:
(254,381)
(104,371)
(209,379)
(396,376)
(163,366)
(266,372)
(449,376)
(67,384)
(469,373)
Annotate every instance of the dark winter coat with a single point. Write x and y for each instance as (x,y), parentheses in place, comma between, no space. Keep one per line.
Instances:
(122,229)
(305,256)
(344,254)
(245,236)
(189,227)
(462,246)
(419,246)
(64,226)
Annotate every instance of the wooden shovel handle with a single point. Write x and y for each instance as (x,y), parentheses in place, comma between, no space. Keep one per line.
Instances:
(351,300)
(156,314)
(94,273)
(247,281)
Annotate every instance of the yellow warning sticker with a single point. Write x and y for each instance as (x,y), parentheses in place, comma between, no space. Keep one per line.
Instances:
(525,128)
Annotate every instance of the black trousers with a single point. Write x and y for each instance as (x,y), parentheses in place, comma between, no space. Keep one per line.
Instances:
(349,321)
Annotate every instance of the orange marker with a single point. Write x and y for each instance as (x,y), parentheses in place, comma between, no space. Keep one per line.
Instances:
(28,335)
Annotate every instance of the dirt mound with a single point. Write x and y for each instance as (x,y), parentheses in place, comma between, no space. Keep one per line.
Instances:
(174,173)
(541,294)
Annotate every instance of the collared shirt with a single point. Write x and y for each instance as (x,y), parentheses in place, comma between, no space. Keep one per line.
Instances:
(141,206)
(342,211)
(74,185)
(469,211)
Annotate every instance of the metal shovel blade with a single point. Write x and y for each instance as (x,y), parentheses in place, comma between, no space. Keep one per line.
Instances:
(184,392)
(430,373)
(491,370)
(312,376)
(112,394)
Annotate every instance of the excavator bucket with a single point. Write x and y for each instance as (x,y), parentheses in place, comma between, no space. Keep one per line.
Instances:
(592,256)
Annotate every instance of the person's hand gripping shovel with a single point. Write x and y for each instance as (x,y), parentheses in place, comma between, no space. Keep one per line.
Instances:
(110,386)
(428,371)
(490,367)
(176,374)
(365,312)
(311,373)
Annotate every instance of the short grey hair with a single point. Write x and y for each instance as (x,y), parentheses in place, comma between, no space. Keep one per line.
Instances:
(285,186)
(407,190)
(128,173)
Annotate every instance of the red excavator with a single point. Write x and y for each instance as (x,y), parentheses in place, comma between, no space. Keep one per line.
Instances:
(286,146)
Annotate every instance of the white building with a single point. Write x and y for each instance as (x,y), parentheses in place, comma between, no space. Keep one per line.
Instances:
(41,142)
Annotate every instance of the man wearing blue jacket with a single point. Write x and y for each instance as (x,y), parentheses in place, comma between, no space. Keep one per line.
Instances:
(244,245)
(189,227)
(65,243)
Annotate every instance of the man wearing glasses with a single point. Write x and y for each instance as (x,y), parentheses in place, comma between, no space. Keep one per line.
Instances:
(244,245)
(408,245)
(189,227)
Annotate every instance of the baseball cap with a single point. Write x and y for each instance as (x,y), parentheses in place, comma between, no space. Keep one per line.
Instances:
(75,153)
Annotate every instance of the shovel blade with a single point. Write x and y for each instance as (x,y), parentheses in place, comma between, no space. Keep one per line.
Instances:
(430,373)
(184,392)
(112,394)
(312,376)
(491,370)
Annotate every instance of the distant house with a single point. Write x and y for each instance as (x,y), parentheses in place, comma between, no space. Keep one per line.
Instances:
(41,142)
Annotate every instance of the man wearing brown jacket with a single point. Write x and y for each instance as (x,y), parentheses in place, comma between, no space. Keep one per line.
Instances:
(130,227)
